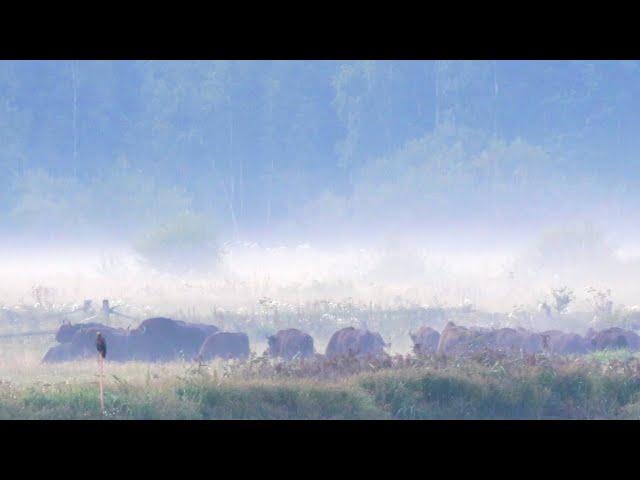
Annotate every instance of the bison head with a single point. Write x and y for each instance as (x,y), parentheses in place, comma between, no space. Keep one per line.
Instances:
(65,332)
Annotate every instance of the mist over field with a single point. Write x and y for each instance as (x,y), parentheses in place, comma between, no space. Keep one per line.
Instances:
(220,182)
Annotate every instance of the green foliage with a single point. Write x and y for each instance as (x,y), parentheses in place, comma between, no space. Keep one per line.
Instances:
(562,297)
(45,199)
(270,400)
(186,242)
(440,174)
(119,198)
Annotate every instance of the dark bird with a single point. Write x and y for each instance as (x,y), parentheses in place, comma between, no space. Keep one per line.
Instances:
(101,345)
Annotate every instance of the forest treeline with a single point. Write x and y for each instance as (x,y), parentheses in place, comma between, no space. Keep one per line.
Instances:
(267,146)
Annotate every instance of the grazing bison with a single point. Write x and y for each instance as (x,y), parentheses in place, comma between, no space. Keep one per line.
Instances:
(58,353)
(163,339)
(354,342)
(562,343)
(425,340)
(613,338)
(155,340)
(225,345)
(67,330)
(510,340)
(457,340)
(82,345)
(290,343)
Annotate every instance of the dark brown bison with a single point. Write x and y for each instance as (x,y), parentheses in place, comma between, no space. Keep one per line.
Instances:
(83,345)
(355,342)
(67,330)
(612,339)
(562,343)
(225,345)
(163,339)
(290,343)
(155,340)
(515,340)
(425,340)
(59,353)
(457,340)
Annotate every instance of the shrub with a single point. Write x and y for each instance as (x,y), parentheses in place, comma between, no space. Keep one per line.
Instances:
(185,243)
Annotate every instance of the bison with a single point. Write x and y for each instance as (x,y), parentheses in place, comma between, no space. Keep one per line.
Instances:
(163,339)
(226,345)
(613,338)
(425,340)
(562,343)
(290,343)
(520,340)
(457,340)
(354,342)
(82,345)
(67,330)
(59,353)
(154,340)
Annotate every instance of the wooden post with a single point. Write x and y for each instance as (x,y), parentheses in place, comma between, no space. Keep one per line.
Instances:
(101,362)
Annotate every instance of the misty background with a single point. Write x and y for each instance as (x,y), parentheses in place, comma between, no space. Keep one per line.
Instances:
(221,182)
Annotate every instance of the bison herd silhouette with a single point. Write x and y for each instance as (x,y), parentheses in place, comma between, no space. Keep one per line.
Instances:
(162,339)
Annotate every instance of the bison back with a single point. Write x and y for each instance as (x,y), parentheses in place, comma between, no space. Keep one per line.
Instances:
(355,342)
(290,343)
(225,345)
(163,339)
(425,340)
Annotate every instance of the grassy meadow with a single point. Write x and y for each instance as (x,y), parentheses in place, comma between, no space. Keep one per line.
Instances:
(602,386)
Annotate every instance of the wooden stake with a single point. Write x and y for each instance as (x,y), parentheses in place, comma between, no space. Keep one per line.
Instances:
(101,362)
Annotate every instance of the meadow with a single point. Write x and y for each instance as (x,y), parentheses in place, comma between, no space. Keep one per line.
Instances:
(598,386)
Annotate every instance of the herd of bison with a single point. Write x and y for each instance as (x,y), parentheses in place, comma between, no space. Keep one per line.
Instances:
(163,339)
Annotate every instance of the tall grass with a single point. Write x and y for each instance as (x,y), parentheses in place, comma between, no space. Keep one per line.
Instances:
(471,389)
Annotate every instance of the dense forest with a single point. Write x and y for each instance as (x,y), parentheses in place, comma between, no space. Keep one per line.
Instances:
(293,149)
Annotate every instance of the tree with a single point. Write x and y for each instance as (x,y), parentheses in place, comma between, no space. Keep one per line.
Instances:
(562,297)
(184,243)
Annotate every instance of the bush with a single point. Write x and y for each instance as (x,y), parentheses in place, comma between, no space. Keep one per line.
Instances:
(185,243)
